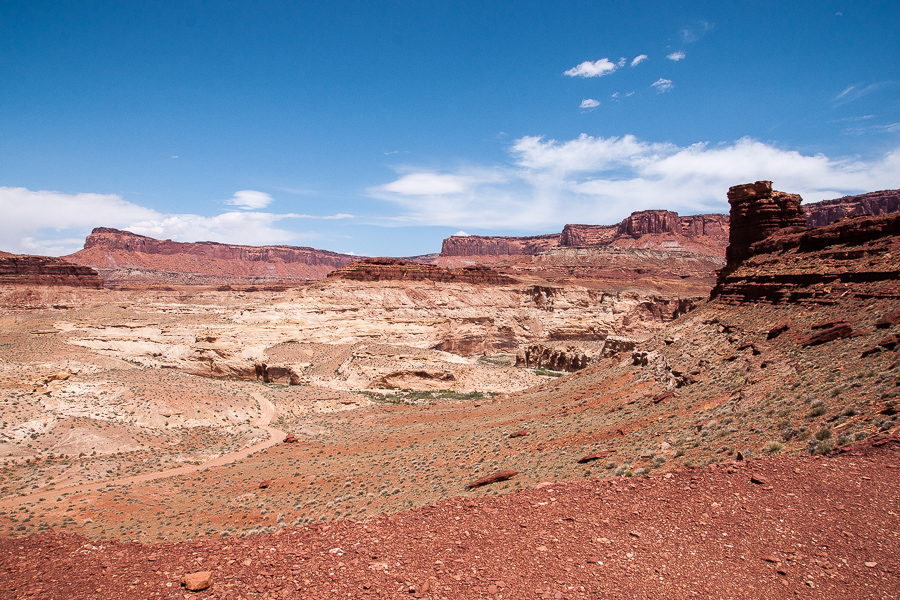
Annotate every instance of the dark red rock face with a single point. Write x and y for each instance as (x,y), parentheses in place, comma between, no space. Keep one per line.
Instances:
(858,256)
(392,269)
(46,270)
(477,245)
(757,211)
(874,203)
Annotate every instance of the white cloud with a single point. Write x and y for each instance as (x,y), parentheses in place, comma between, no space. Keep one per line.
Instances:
(588,179)
(428,184)
(662,85)
(56,223)
(638,59)
(250,200)
(675,56)
(589,103)
(460,233)
(598,68)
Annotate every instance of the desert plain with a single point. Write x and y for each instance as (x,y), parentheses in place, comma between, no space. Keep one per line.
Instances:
(613,419)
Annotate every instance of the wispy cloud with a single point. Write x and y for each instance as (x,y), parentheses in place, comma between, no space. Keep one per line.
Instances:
(676,56)
(597,68)
(548,183)
(855,92)
(662,85)
(589,104)
(638,59)
(250,199)
(693,33)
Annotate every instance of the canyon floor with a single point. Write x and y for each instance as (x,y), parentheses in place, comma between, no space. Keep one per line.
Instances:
(714,448)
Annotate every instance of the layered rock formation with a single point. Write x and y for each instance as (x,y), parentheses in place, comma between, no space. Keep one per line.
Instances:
(853,257)
(649,229)
(758,211)
(477,245)
(392,269)
(45,270)
(122,257)
(874,203)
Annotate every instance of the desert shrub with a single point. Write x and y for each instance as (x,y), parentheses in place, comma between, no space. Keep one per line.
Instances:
(817,411)
(823,434)
(849,411)
(658,461)
(823,447)
(773,446)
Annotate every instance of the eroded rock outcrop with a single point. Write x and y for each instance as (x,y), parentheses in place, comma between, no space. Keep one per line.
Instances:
(392,269)
(46,270)
(855,256)
(878,203)
(557,358)
(477,245)
(122,257)
(757,211)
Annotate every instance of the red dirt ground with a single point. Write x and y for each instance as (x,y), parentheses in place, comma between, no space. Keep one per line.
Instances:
(816,527)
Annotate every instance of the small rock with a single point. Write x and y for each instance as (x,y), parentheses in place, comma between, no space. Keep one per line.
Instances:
(778,330)
(888,320)
(758,479)
(493,478)
(520,433)
(597,456)
(771,559)
(264,484)
(290,439)
(871,565)
(197,581)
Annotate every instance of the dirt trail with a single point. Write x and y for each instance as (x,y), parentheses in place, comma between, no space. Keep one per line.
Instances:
(266,414)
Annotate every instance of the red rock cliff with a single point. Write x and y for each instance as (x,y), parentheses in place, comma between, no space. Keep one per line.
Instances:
(45,270)
(478,245)
(124,258)
(114,239)
(758,211)
(873,203)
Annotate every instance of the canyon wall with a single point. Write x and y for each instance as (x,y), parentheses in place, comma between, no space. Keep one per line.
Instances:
(392,269)
(774,258)
(478,245)
(45,270)
(874,203)
(124,258)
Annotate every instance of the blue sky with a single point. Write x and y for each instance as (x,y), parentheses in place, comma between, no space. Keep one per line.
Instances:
(380,128)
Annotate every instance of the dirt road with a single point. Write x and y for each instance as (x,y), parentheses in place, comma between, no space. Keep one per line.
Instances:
(266,414)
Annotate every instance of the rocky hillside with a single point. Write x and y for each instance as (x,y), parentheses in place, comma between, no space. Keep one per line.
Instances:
(392,269)
(30,270)
(122,257)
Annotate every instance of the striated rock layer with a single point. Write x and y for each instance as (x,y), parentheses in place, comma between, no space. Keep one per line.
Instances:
(45,271)
(758,211)
(123,257)
(478,245)
(855,256)
(874,203)
(392,269)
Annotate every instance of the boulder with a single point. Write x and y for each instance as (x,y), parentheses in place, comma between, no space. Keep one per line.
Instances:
(828,335)
(198,581)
